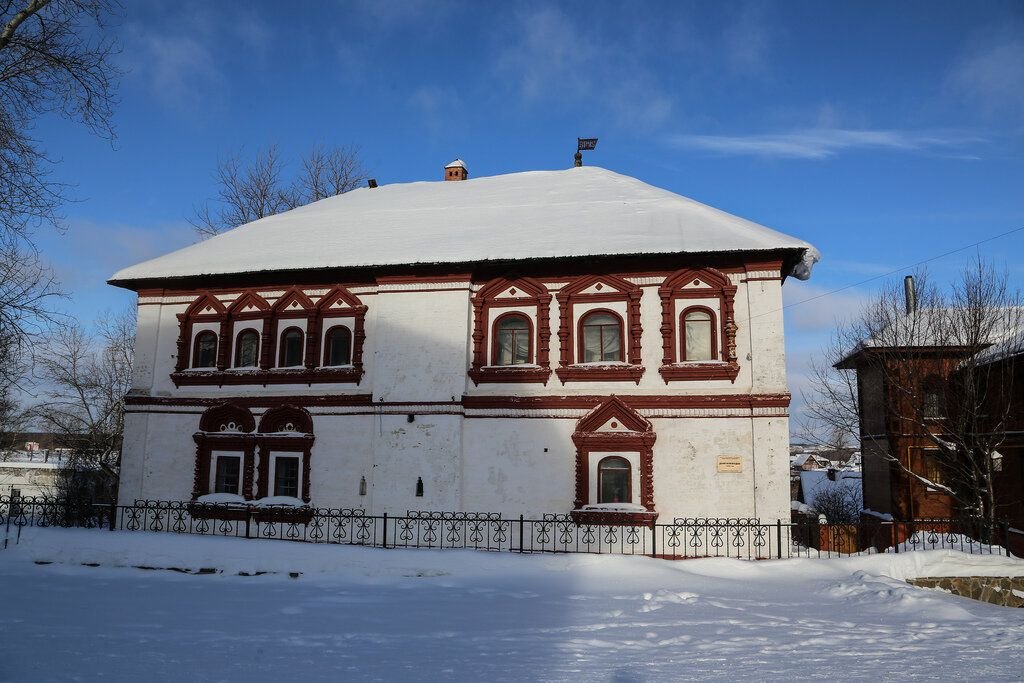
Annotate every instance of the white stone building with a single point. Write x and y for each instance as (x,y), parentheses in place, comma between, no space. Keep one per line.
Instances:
(526,343)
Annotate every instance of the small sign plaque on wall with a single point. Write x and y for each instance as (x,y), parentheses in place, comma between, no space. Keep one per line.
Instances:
(730,463)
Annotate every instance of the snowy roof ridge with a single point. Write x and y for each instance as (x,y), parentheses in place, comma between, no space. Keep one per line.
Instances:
(586,211)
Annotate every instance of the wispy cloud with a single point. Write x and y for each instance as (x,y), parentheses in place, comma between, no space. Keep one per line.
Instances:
(990,73)
(748,41)
(180,70)
(810,308)
(547,57)
(823,143)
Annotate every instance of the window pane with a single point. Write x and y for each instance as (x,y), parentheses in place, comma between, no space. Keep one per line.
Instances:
(601,343)
(521,347)
(248,349)
(613,478)
(591,343)
(339,347)
(513,341)
(292,352)
(698,336)
(206,350)
(611,349)
(286,477)
(226,480)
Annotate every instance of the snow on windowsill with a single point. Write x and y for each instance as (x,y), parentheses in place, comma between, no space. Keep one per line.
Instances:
(692,363)
(222,499)
(613,507)
(245,369)
(279,501)
(604,364)
(527,366)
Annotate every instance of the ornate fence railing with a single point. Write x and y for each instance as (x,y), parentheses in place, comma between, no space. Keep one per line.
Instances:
(551,533)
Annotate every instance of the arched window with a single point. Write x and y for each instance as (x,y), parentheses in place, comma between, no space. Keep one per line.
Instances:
(338,346)
(247,349)
(204,355)
(291,348)
(698,335)
(613,481)
(601,340)
(512,340)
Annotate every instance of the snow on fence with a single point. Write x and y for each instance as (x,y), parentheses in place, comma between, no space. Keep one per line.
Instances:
(551,533)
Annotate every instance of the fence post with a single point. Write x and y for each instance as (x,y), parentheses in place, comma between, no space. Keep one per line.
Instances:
(778,538)
(520,533)
(113,514)
(1005,526)
(654,539)
(385,537)
(248,520)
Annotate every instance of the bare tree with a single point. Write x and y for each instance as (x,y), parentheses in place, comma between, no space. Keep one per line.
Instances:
(86,380)
(246,193)
(923,374)
(840,504)
(52,60)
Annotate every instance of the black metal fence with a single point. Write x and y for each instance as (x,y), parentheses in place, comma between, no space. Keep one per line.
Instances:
(552,533)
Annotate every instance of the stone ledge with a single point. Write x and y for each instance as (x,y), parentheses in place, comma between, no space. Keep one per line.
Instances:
(1005,591)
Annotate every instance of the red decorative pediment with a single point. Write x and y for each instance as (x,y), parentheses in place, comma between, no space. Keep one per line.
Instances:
(248,302)
(226,417)
(293,300)
(613,412)
(519,288)
(206,305)
(698,278)
(597,285)
(338,298)
(286,418)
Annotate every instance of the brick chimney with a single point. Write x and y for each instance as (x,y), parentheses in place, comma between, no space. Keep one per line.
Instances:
(456,170)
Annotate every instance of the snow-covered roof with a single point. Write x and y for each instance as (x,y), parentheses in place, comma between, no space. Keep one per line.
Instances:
(458,163)
(586,211)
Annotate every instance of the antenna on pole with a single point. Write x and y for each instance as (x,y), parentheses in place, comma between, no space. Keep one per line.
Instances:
(581,145)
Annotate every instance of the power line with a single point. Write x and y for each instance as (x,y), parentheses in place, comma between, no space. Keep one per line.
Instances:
(897,270)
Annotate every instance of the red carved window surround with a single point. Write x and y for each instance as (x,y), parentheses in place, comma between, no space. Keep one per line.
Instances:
(569,370)
(525,293)
(702,283)
(242,438)
(250,306)
(637,436)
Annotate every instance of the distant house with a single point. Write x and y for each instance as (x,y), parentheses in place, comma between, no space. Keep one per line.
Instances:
(891,443)
(532,343)
(28,473)
(809,461)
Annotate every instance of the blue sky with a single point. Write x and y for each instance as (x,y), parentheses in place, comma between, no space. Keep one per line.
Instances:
(882,132)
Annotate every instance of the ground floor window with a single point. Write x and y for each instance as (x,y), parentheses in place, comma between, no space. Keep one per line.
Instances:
(613,481)
(227,474)
(286,476)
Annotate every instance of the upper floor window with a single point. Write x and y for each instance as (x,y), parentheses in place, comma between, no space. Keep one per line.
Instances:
(932,399)
(291,348)
(205,353)
(338,346)
(512,340)
(613,485)
(602,338)
(247,350)
(698,335)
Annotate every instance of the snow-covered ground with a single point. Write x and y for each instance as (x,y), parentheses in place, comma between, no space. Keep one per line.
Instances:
(367,614)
